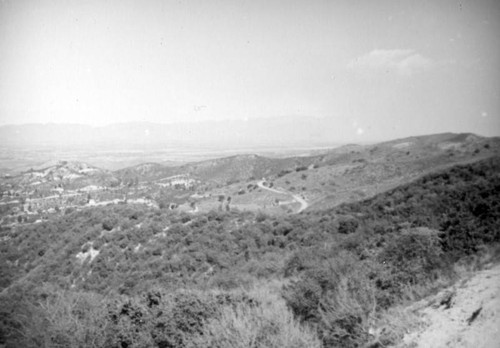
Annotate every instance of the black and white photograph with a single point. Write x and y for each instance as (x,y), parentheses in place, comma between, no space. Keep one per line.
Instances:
(249,173)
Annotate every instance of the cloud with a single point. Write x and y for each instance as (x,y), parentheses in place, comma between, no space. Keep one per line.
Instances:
(401,61)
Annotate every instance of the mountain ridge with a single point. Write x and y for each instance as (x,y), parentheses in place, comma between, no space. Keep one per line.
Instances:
(278,131)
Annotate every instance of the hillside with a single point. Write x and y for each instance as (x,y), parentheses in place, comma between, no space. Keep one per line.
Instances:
(144,232)
(221,171)
(58,177)
(345,174)
(348,174)
(338,270)
(315,182)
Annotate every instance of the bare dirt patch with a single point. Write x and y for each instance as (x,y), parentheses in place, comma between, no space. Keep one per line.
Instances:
(466,315)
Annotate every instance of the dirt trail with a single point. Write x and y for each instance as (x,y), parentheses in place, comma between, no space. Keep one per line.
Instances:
(303,203)
(466,315)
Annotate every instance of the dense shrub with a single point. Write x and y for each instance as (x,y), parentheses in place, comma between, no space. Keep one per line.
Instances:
(284,172)
(462,202)
(337,296)
(155,319)
(347,225)
(410,258)
(414,256)
(50,317)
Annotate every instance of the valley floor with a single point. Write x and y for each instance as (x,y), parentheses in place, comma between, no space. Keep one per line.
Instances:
(467,315)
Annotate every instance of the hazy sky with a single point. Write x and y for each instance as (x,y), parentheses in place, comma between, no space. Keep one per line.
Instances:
(408,67)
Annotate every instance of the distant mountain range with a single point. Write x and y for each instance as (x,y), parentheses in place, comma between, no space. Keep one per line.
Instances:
(270,131)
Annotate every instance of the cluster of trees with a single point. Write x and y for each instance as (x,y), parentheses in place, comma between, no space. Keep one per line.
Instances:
(337,269)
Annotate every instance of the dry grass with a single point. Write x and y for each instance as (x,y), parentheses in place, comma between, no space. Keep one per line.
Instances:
(65,319)
(268,324)
(392,325)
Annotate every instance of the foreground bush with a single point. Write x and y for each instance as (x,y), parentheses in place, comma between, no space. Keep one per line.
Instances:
(338,297)
(268,324)
(82,319)
(55,318)
(412,258)
(63,319)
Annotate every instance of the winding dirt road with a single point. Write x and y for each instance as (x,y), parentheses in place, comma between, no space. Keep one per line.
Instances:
(303,203)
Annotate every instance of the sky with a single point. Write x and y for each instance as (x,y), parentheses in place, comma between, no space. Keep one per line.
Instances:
(385,68)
